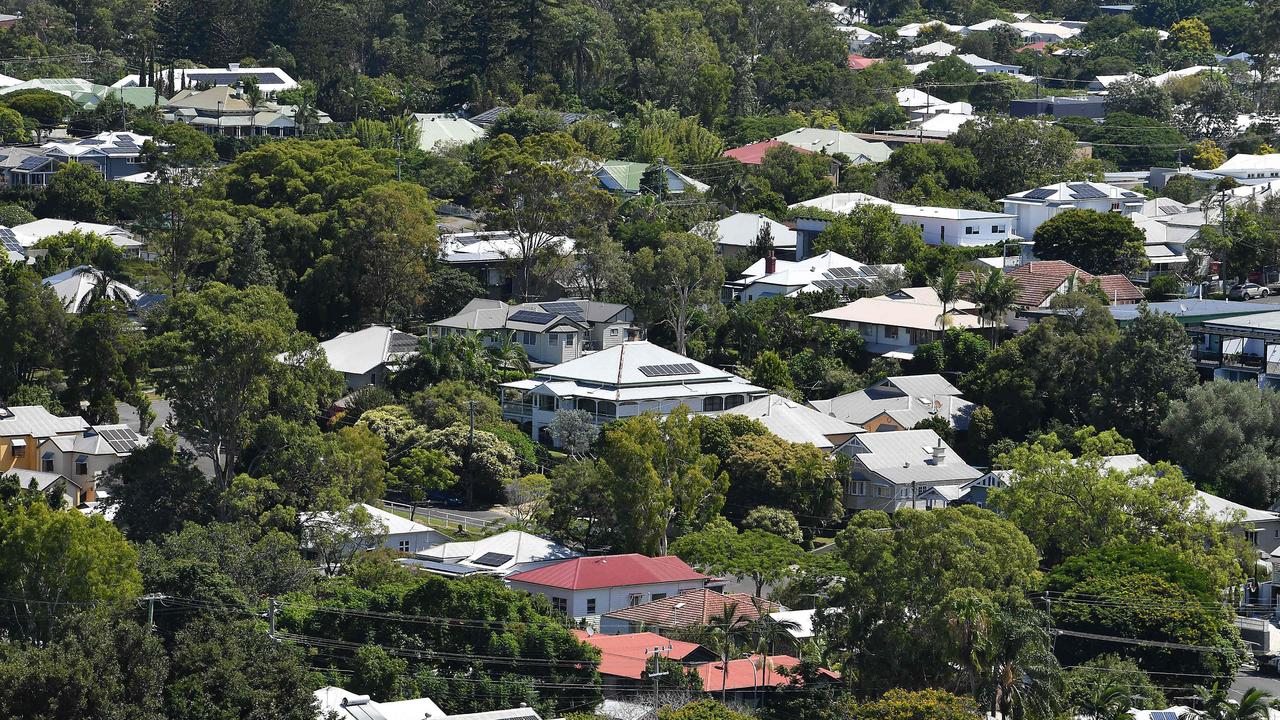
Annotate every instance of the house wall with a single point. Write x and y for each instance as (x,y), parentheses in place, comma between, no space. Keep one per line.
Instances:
(65,464)
(551,348)
(883,423)
(608,599)
(1252,177)
(758,290)
(1031,215)
(373,377)
(892,335)
(941,231)
(30,459)
(540,417)
(415,541)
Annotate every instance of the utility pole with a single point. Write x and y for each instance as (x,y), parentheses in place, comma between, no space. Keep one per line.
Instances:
(471,449)
(656,652)
(151,608)
(271,616)
(399,155)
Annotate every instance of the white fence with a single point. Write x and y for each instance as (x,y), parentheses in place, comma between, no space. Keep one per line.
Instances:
(452,519)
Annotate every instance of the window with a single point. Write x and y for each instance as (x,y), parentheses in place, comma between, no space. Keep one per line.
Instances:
(47,465)
(591,606)
(659,596)
(135,160)
(1115,207)
(882,491)
(891,332)
(82,467)
(1251,536)
(712,404)
(1277,532)
(613,332)
(970,230)
(867,329)
(568,339)
(560,605)
(20,450)
(858,488)
(528,338)
(997,228)
(634,599)
(403,546)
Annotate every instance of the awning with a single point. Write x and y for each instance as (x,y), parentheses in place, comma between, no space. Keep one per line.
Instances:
(18,442)
(47,456)
(82,458)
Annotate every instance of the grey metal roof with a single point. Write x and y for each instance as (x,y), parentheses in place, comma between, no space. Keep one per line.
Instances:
(35,421)
(921,385)
(907,399)
(906,456)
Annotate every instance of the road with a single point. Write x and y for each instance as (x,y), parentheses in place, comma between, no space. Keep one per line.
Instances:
(1246,680)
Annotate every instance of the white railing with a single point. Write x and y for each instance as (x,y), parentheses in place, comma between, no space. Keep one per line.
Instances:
(452,519)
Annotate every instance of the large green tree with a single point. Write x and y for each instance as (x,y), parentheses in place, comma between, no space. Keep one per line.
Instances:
(762,557)
(678,280)
(872,234)
(1098,243)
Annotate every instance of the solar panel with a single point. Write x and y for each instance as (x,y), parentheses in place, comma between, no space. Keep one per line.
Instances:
(120,439)
(827,284)
(1039,193)
(843,272)
(403,342)
(493,559)
(1084,191)
(1164,715)
(531,316)
(10,241)
(32,163)
(668,370)
(573,311)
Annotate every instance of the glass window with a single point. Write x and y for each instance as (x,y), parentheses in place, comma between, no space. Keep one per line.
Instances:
(659,596)
(19,451)
(47,466)
(591,606)
(82,467)
(858,487)
(891,331)
(528,338)
(733,401)
(634,599)
(997,228)
(613,332)
(403,546)
(712,403)
(560,605)
(568,339)
(970,230)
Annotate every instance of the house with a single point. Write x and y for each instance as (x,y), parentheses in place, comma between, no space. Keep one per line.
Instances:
(271,80)
(912,99)
(507,552)
(113,154)
(334,702)
(75,286)
(796,423)
(626,660)
(551,332)
(859,38)
(745,677)
(1034,207)
(935,49)
(833,142)
(800,627)
(1243,347)
(223,110)
(911,31)
(1165,246)
(487,255)
(898,403)
(28,234)
(895,324)
(487,118)
(985,26)
(736,234)
(1249,169)
(938,225)
(753,153)
(74,494)
(1058,106)
(983,66)
(892,469)
(625,178)
(940,126)
(589,586)
(623,381)
(399,533)
(368,356)
(1189,312)
(438,131)
(34,439)
(770,277)
(1046,31)
(686,610)
(1040,281)
(861,62)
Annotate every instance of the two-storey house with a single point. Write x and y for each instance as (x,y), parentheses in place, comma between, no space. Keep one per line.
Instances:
(590,586)
(895,324)
(898,403)
(892,470)
(551,332)
(35,440)
(113,154)
(1032,208)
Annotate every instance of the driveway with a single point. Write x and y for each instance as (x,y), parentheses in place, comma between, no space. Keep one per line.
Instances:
(163,412)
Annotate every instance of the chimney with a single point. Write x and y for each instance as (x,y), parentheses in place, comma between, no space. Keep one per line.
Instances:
(939,453)
(770,264)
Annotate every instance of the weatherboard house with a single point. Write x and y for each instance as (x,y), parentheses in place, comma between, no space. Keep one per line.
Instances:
(623,381)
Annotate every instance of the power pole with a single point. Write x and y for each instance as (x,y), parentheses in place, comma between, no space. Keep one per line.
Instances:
(271,616)
(656,652)
(151,608)
(471,445)
(399,155)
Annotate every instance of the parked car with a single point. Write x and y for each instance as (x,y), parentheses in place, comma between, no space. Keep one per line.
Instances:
(1247,291)
(445,498)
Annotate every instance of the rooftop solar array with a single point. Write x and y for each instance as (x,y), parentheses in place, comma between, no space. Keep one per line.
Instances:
(669,370)
(120,439)
(35,162)
(1164,715)
(493,559)
(1085,191)
(10,241)
(571,310)
(1039,193)
(532,317)
(849,272)
(403,342)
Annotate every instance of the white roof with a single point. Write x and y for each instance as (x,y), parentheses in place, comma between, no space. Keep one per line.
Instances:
(803,620)
(394,524)
(270,79)
(1163,78)
(914,98)
(911,30)
(816,264)
(948,122)
(1108,80)
(986,25)
(621,365)
(349,706)
(943,213)
(1053,29)
(741,229)
(517,547)
(918,308)
(37,422)
(918,68)
(110,143)
(437,131)
(907,399)
(29,234)
(1228,511)
(1073,191)
(797,423)
(836,141)
(75,285)
(857,32)
(1244,162)
(356,353)
(959,107)
(488,246)
(937,48)
(978,61)
(907,456)
(839,202)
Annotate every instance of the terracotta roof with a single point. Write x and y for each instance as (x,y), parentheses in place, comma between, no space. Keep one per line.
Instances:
(754,153)
(744,675)
(1038,280)
(1034,47)
(627,655)
(861,62)
(609,571)
(692,608)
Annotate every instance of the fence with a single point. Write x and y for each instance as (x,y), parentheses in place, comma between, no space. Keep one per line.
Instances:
(452,519)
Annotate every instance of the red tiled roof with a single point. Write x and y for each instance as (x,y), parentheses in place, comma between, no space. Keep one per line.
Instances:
(861,62)
(1120,290)
(743,675)
(626,655)
(609,571)
(754,153)
(1038,280)
(1034,47)
(693,607)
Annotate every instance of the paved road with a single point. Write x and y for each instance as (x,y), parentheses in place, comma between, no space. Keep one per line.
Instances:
(1246,680)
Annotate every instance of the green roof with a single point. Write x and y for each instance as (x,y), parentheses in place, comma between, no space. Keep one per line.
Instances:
(626,174)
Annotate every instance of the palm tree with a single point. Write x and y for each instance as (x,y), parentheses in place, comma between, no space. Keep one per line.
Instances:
(1216,704)
(509,355)
(106,286)
(726,629)
(969,616)
(254,97)
(1108,701)
(1022,678)
(995,294)
(947,286)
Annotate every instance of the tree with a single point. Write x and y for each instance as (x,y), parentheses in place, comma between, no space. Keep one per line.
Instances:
(483,460)
(1016,154)
(1213,108)
(1107,686)
(1139,96)
(901,704)
(1217,704)
(336,537)
(528,498)
(447,290)
(996,295)
(104,361)
(701,710)
(1191,37)
(77,191)
(54,561)
(682,276)
(1224,434)
(34,322)
(250,263)
(761,556)
(602,268)
(659,480)
(573,431)
(581,507)
(871,234)
(157,489)
(216,351)
(12,130)
(1149,368)
(226,563)
(1098,243)
(765,469)
(1206,155)
(1164,13)
(769,371)
(390,234)
(420,471)
(777,521)
(796,175)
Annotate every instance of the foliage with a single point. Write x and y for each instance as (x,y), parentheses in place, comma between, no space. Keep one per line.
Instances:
(77,191)
(230,563)
(901,704)
(574,431)
(1139,96)
(958,351)
(34,320)
(157,489)
(420,471)
(773,520)
(1017,154)
(481,459)
(701,710)
(1115,680)
(1098,243)
(581,507)
(684,274)
(870,234)
(756,554)
(765,469)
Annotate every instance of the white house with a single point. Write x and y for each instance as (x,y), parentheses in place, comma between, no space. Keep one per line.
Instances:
(983,66)
(912,30)
(508,552)
(368,356)
(29,234)
(935,49)
(75,286)
(796,423)
(34,439)
(334,702)
(400,534)
(859,38)
(73,493)
(893,325)
(1034,32)
(1034,207)
(271,80)
(832,142)
(487,255)
(938,225)
(770,277)
(1251,169)
(911,99)
(584,587)
(737,234)
(892,469)
(626,380)
(438,131)
(898,403)
(550,332)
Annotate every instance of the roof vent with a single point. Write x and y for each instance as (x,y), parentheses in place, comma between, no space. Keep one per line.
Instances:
(356,700)
(5,413)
